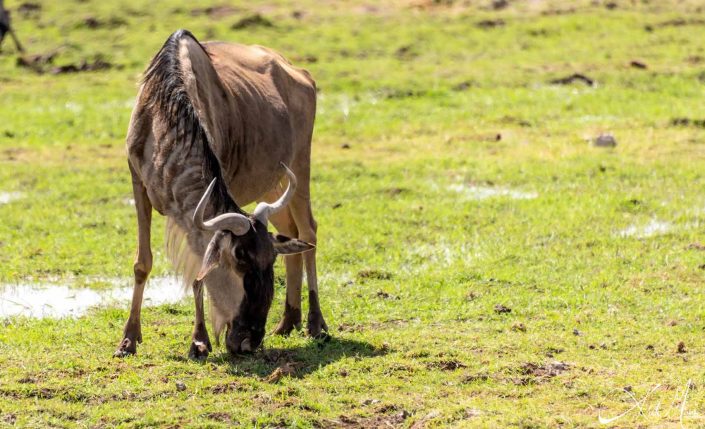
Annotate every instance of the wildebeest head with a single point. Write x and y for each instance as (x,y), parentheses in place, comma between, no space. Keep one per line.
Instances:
(243,245)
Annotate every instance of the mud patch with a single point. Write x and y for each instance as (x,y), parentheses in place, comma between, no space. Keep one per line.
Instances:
(688,122)
(490,23)
(44,63)
(478,192)
(40,300)
(535,373)
(94,23)
(29,9)
(374,274)
(251,21)
(215,12)
(575,77)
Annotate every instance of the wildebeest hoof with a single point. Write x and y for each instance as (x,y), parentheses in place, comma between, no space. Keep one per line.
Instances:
(317,327)
(127,347)
(286,325)
(199,350)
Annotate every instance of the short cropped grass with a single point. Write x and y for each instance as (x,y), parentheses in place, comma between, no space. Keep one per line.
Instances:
(481,262)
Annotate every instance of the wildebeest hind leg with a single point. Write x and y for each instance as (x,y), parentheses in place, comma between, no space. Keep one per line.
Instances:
(300,207)
(200,343)
(132,333)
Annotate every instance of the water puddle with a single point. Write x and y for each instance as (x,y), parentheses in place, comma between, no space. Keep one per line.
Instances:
(8,197)
(475,192)
(42,300)
(654,227)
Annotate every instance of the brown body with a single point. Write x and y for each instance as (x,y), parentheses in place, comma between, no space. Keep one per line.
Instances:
(254,111)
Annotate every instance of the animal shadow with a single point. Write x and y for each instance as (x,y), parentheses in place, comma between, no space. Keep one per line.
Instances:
(298,361)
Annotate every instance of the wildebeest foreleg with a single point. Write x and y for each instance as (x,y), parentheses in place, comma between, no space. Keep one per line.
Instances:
(291,318)
(18,45)
(200,343)
(132,333)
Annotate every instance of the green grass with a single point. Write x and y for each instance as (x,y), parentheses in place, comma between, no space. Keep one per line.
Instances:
(411,265)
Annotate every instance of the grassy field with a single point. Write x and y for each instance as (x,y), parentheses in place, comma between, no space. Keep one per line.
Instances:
(481,263)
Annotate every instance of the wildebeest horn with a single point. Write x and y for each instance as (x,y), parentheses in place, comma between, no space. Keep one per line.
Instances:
(236,223)
(264,210)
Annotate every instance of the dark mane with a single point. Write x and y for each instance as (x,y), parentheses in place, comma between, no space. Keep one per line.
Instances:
(166,95)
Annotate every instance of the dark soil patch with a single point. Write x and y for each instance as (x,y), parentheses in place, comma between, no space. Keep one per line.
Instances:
(557,12)
(502,309)
(37,62)
(393,420)
(406,53)
(83,66)
(385,295)
(94,23)
(29,9)
(393,192)
(225,388)
(476,378)
(688,122)
(681,22)
(462,86)
(487,24)
(251,21)
(575,77)
(43,63)
(215,12)
(374,274)
(392,94)
(638,65)
(220,417)
(532,372)
(446,365)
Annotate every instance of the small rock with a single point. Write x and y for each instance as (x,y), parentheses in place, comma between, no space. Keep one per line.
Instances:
(345,146)
(180,386)
(605,140)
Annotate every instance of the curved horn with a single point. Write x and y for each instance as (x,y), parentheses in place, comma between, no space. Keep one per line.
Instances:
(264,210)
(234,222)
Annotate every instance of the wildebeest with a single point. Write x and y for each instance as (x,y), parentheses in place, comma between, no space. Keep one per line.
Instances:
(6,27)
(213,128)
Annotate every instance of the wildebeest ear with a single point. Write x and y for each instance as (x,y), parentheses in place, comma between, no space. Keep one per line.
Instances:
(284,245)
(211,259)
